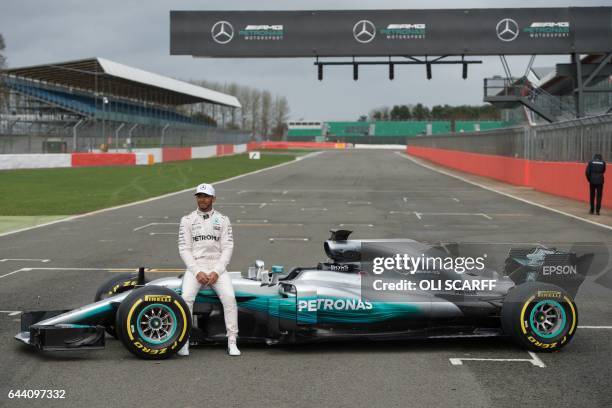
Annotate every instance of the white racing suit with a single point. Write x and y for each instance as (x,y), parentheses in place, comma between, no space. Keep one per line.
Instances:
(205,244)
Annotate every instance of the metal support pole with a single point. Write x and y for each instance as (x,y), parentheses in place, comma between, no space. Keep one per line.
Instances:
(74,134)
(529,65)
(161,142)
(129,145)
(117,136)
(579,95)
(601,65)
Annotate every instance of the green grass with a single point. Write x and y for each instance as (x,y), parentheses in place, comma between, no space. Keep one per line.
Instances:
(78,190)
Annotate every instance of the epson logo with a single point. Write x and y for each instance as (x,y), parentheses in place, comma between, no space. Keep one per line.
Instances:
(339,268)
(550,24)
(560,270)
(333,304)
(205,238)
(406,26)
(278,27)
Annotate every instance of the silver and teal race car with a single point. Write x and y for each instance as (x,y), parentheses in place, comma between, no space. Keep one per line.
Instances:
(331,301)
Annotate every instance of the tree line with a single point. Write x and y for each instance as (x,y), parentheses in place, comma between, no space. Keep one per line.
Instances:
(262,114)
(437,112)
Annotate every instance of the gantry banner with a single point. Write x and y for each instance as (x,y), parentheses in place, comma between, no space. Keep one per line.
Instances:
(347,33)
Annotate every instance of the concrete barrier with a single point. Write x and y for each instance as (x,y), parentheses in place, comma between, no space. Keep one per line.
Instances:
(225,149)
(202,152)
(156,152)
(34,161)
(176,154)
(121,157)
(563,179)
(103,159)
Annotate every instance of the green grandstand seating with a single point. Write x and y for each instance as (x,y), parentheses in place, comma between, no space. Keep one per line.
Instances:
(304,132)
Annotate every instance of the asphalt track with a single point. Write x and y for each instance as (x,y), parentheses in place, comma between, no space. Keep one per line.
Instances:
(282,216)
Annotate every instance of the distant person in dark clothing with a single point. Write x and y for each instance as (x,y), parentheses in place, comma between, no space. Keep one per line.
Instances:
(595,175)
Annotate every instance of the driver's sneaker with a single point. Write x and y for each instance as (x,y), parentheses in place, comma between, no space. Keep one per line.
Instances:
(184,351)
(232,349)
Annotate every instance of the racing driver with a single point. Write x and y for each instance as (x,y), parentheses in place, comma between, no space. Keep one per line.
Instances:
(205,244)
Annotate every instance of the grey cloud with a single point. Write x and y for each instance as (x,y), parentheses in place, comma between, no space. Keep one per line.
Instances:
(136,33)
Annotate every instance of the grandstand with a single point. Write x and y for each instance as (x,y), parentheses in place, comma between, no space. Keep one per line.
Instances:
(381,132)
(82,104)
(307,130)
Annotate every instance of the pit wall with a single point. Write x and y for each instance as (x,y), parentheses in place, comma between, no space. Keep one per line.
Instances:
(136,157)
(563,179)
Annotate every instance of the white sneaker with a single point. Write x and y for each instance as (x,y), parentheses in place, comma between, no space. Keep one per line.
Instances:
(232,349)
(184,351)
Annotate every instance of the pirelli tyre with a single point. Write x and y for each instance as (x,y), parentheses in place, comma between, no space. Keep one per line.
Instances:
(153,322)
(539,316)
(115,285)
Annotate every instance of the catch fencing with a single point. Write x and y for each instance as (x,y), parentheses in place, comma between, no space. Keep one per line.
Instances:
(86,136)
(568,141)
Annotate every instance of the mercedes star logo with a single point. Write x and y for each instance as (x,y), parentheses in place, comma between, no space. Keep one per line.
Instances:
(222,32)
(507,29)
(364,31)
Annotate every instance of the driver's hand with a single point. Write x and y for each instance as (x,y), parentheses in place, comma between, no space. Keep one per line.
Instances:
(212,278)
(202,278)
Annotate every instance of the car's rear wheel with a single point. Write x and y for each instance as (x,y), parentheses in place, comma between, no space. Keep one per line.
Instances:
(539,316)
(153,322)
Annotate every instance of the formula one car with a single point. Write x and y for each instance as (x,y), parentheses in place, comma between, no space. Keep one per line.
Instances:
(327,302)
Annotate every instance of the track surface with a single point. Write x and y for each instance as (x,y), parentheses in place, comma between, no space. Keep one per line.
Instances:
(375,193)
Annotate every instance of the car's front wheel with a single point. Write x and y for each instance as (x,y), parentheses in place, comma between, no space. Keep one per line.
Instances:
(113,286)
(153,322)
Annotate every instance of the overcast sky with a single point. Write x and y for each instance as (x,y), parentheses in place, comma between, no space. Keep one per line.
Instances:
(136,33)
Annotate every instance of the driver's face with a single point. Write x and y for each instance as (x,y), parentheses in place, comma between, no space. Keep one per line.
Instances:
(205,202)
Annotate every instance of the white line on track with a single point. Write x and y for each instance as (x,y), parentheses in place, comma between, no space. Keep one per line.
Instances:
(154,223)
(163,233)
(455,199)
(534,360)
(240,204)
(275,200)
(11,312)
(253,221)
(358,202)
(14,272)
(112,270)
(313,209)
(420,214)
(502,193)
(287,239)
(75,217)
(596,327)
(355,225)
(25,260)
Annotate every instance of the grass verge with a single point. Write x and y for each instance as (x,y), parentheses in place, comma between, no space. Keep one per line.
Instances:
(69,191)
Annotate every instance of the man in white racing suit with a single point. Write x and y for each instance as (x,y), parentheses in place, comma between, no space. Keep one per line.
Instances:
(205,244)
